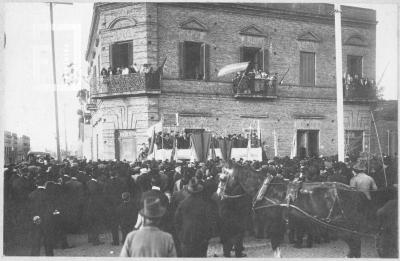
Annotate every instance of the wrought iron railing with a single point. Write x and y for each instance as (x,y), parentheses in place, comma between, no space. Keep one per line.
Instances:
(359,92)
(124,84)
(258,87)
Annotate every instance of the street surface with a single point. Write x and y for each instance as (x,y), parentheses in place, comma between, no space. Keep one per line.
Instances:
(253,248)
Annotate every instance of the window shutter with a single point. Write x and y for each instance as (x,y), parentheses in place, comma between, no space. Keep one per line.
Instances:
(241,54)
(266,61)
(111,53)
(181,59)
(205,61)
(307,68)
(130,53)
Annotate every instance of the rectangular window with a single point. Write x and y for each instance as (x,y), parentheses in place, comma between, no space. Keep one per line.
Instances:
(259,57)
(307,69)
(354,65)
(121,54)
(194,60)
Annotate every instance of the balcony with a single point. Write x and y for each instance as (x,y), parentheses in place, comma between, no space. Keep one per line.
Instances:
(133,84)
(359,94)
(258,88)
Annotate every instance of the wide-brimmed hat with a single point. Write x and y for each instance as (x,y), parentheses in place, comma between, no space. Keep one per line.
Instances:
(194,186)
(360,166)
(152,208)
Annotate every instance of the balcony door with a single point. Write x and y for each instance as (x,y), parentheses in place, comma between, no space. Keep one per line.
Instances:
(354,65)
(121,54)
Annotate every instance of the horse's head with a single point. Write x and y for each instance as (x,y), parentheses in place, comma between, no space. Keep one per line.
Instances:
(229,185)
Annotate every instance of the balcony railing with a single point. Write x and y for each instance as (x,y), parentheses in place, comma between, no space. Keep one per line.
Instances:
(359,93)
(245,87)
(125,85)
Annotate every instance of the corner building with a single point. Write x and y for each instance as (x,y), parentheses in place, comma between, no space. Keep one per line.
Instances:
(198,39)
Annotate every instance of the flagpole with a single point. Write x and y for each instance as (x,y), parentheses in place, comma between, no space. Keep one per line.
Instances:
(339,83)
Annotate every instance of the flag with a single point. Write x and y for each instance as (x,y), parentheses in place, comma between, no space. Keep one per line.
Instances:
(174,148)
(275,144)
(161,67)
(152,141)
(232,68)
(259,132)
(294,146)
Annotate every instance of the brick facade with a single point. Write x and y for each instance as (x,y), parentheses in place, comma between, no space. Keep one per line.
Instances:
(156,29)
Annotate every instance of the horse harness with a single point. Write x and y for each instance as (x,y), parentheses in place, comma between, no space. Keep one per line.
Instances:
(291,195)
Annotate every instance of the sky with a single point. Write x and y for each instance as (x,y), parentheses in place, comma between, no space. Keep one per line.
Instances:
(29,96)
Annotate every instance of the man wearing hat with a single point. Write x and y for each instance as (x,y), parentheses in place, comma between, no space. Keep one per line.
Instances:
(127,213)
(149,240)
(362,181)
(95,208)
(155,191)
(41,218)
(193,222)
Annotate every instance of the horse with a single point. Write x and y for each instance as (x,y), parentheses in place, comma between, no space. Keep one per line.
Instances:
(235,187)
(329,205)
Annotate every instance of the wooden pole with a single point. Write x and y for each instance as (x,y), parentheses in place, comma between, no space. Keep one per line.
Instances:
(339,83)
(379,145)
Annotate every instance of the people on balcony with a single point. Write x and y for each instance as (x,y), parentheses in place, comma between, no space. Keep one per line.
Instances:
(165,140)
(255,81)
(358,87)
(134,68)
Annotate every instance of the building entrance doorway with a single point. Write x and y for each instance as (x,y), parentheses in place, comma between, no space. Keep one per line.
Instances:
(307,143)
(125,144)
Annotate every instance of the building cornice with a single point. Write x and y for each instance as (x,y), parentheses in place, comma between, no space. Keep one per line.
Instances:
(239,8)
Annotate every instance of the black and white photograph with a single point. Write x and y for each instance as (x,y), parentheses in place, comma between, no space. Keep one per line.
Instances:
(199,129)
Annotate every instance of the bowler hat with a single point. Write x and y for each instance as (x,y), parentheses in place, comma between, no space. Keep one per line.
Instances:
(152,208)
(194,186)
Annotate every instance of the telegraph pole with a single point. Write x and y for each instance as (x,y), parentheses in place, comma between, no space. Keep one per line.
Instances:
(339,82)
(55,83)
(55,80)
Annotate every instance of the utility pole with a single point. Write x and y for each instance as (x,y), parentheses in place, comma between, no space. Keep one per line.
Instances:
(55,83)
(55,80)
(339,82)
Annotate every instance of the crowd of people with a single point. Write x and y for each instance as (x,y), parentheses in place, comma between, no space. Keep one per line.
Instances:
(357,86)
(245,83)
(162,208)
(165,140)
(134,68)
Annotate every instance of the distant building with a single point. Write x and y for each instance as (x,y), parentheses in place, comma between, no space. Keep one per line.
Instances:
(298,117)
(15,148)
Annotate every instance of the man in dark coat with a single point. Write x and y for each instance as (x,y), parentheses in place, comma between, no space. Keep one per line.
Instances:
(127,213)
(95,209)
(193,222)
(41,218)
(113,189)
(75,194)
(56,195)
(176,198)
(165,223)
